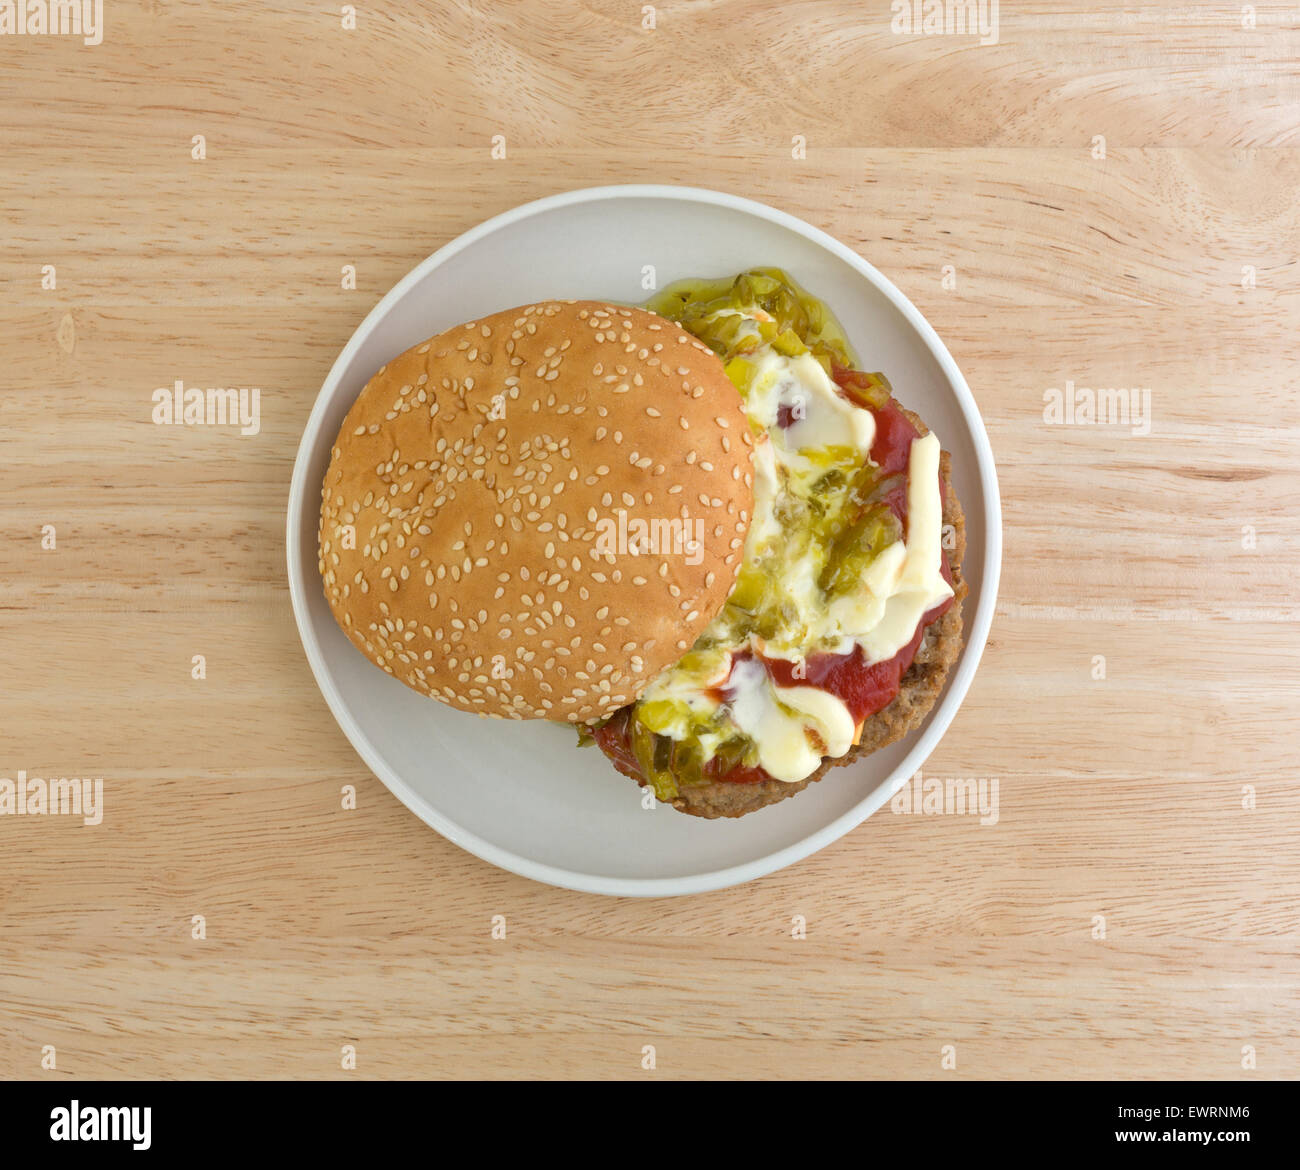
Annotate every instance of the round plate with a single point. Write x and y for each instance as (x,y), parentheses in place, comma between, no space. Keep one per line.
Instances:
(524,796)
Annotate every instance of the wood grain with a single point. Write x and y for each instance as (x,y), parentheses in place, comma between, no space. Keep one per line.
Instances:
(1120,797)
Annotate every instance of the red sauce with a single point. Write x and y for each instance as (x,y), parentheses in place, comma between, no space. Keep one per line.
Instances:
(864,688)
(855,385)
(892,446)
(890,451)
(737,775)
(615,740)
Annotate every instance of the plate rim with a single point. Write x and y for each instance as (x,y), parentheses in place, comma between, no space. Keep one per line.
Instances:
(957,685)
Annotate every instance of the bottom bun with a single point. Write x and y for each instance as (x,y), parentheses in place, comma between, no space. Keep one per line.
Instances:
(918,691)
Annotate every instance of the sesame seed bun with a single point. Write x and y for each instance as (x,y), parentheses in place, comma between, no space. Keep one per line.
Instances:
(479,536)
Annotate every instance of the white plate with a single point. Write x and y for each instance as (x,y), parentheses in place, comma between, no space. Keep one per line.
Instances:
(523,795)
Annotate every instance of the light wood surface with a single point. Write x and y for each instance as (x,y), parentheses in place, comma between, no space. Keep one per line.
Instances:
(1120,797)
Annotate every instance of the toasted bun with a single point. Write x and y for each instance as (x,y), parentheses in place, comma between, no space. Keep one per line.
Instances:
(471,541)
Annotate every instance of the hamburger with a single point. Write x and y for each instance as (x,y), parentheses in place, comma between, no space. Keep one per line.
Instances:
(697,532)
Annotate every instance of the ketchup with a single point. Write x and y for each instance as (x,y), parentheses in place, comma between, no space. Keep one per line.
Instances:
(614,738)
(864,687)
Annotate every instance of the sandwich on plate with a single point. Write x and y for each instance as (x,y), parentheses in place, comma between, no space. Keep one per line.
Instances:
(698,532)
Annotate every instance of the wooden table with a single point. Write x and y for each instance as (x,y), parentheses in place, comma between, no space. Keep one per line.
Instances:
(1115,192)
